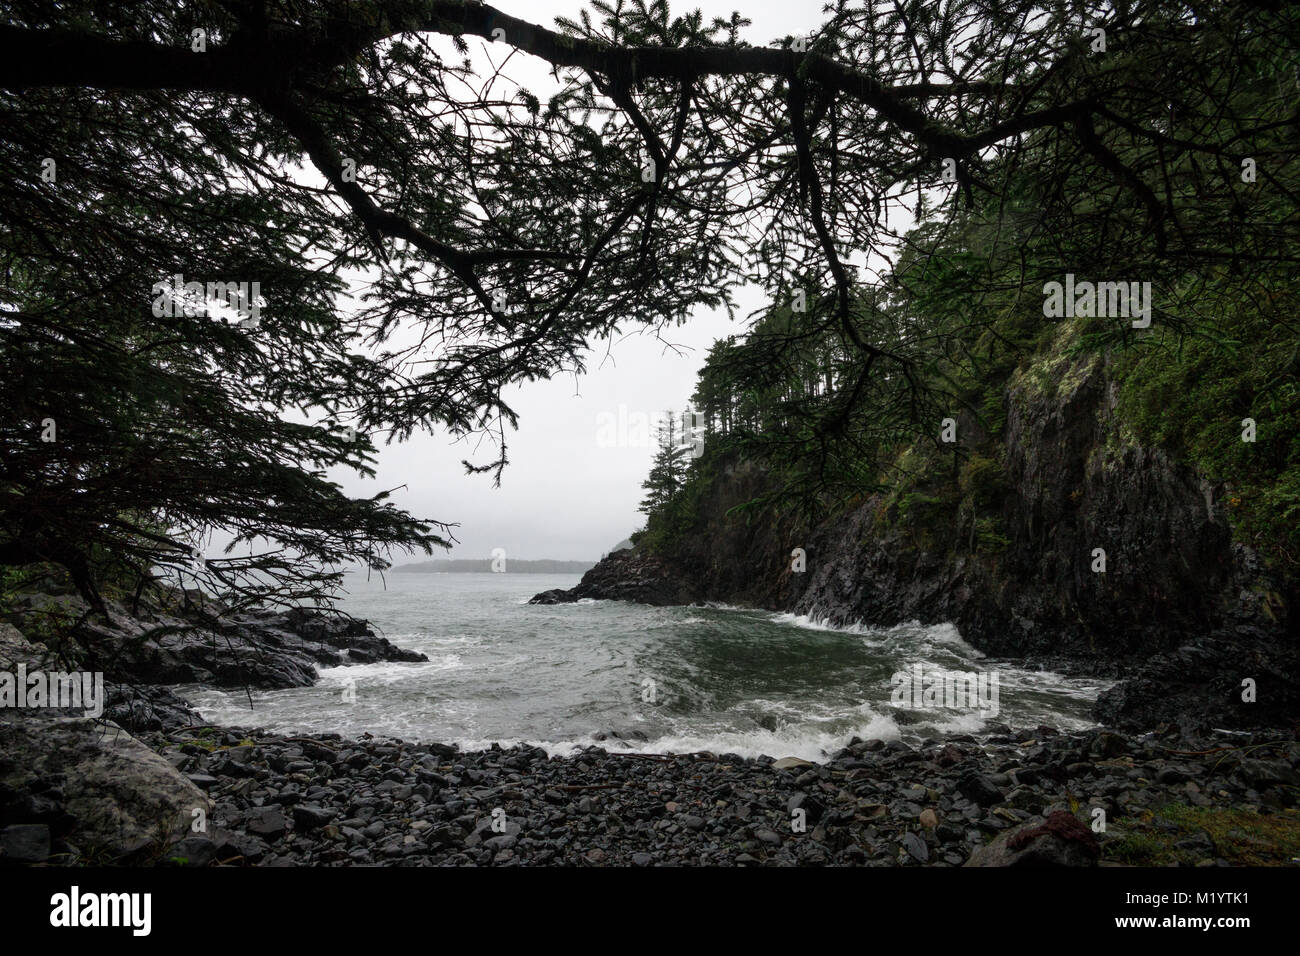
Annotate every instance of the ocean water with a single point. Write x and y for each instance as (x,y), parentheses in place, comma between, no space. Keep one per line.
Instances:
(675,679)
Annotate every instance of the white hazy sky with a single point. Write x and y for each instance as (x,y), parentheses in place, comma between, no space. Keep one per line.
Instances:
(565,496)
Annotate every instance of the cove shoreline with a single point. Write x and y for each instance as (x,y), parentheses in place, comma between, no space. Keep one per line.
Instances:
(129,789)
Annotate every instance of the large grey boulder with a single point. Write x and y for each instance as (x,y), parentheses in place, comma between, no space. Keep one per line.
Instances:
(125,800)
(101,792)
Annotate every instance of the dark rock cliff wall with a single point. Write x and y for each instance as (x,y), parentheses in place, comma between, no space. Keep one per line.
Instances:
(1073,484)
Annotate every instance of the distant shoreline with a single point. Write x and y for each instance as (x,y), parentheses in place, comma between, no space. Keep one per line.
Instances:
(508,566)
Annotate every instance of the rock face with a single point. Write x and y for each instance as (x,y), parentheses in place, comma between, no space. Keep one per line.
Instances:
(1176,590)
(72,787)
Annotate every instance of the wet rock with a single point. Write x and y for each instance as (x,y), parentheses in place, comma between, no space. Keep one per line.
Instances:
(628,575)
(1197,686)
(814,810)
(916,847)
(979,789)
(1201,843)
(193,851)
(269,824)
(307,817)
(174,644)
(1262,774)
(1060,840)
(790,763)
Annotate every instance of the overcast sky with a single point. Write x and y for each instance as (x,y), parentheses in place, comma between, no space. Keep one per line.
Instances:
(564,495)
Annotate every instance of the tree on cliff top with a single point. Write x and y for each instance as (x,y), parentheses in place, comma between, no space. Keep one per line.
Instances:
(666,470)
(489,234)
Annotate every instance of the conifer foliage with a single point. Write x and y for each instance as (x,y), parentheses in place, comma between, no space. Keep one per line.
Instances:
(415,234)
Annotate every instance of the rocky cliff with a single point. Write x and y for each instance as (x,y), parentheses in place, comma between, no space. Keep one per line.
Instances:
(1009,546)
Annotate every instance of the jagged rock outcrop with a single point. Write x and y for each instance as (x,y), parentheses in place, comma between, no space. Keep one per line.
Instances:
(627,575)
(266,649)
(170,640)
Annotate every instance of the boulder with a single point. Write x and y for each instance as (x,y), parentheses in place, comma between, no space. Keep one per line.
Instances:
(87,783)
(979,789)
(790,763)
(1060,840)
(125,801)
